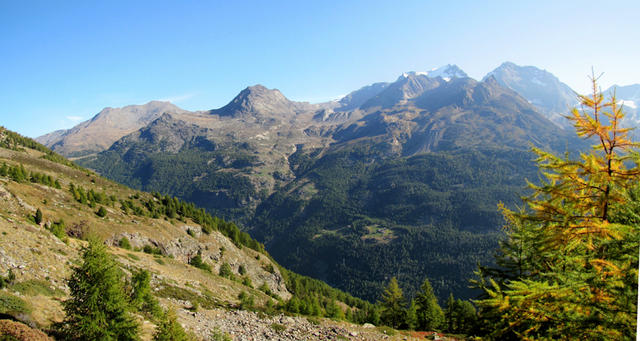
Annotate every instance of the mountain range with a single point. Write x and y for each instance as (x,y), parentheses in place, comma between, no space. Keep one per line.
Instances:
(397,178)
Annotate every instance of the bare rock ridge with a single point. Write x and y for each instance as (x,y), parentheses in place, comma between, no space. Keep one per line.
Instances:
(251,140)
(109,125)
(258,101)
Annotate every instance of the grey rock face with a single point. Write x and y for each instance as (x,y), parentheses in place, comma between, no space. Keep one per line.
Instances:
(553,98)
(259,102)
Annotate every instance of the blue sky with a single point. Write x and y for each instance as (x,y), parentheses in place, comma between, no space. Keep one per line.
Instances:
(62,62)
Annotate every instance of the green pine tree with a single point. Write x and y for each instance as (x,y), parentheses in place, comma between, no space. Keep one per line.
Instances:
(168,328)
(102,212)
(38,216)
(429,314)
(393,302)
(411,321)
(98,308)
(141,297)
(450,314)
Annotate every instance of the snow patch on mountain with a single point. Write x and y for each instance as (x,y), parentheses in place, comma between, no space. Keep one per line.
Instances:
(446,72)
(628,103)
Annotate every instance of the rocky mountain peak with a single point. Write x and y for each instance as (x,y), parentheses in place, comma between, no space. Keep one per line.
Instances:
(258,101)
(540,87)
(407,87)
(446,72)
(145,113)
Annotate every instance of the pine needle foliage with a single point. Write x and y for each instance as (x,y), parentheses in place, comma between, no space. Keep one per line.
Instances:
(569,267)
(98,308)
(141,297)
(394,305)
(169,329)
(429,314)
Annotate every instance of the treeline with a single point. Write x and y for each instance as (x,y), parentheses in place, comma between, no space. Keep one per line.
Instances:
(14,141)
(172,207)
(90,197)
(159,206)
(220,193)
(20,174)
(423,312)
(313,297)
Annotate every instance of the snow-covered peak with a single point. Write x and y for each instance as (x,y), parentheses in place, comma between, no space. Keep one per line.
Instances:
(447,72)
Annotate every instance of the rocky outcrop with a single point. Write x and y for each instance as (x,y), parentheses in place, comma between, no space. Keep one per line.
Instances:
(215,250)
(248,325)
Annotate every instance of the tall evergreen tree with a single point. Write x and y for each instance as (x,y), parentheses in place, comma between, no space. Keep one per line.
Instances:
(572,254)
(98,308)
(450,314)
(412,316)
(429,314)
(393,302)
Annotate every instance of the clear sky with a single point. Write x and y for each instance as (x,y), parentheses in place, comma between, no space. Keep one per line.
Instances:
(61,62)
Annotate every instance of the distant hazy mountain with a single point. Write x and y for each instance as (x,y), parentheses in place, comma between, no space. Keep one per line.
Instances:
(106,127)
(421,114)
(357,98)
(411,84)
(629,96)
(553,98)
(446,72)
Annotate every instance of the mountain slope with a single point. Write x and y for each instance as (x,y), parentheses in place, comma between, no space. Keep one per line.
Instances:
(348,196)
(259,102)
(357,98)
(163,236)
(109,125)
(422,114)
(553,98)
